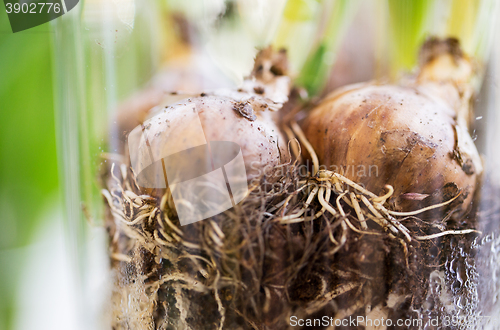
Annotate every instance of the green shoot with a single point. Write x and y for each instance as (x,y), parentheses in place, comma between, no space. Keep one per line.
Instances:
(408,24)
(326,21)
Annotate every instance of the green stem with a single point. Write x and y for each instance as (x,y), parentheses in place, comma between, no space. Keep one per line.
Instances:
(471,21)
(316,69)
(409,22)
(311,31)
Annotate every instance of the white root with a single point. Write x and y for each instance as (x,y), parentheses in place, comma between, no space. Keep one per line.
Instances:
(447,232)
(302,138)
(357,209)
(329,182)
(348,207)
(425,208)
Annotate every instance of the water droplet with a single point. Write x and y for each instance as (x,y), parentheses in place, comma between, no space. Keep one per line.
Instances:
(458,302)
(453,267)
(456,285)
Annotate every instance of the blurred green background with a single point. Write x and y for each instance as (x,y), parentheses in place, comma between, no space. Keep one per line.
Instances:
(28,162)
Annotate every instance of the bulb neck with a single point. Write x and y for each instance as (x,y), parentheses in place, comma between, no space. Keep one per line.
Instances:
(269,77)
(448,73)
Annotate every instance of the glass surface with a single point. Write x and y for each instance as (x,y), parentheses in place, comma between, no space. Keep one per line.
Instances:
(214,183)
